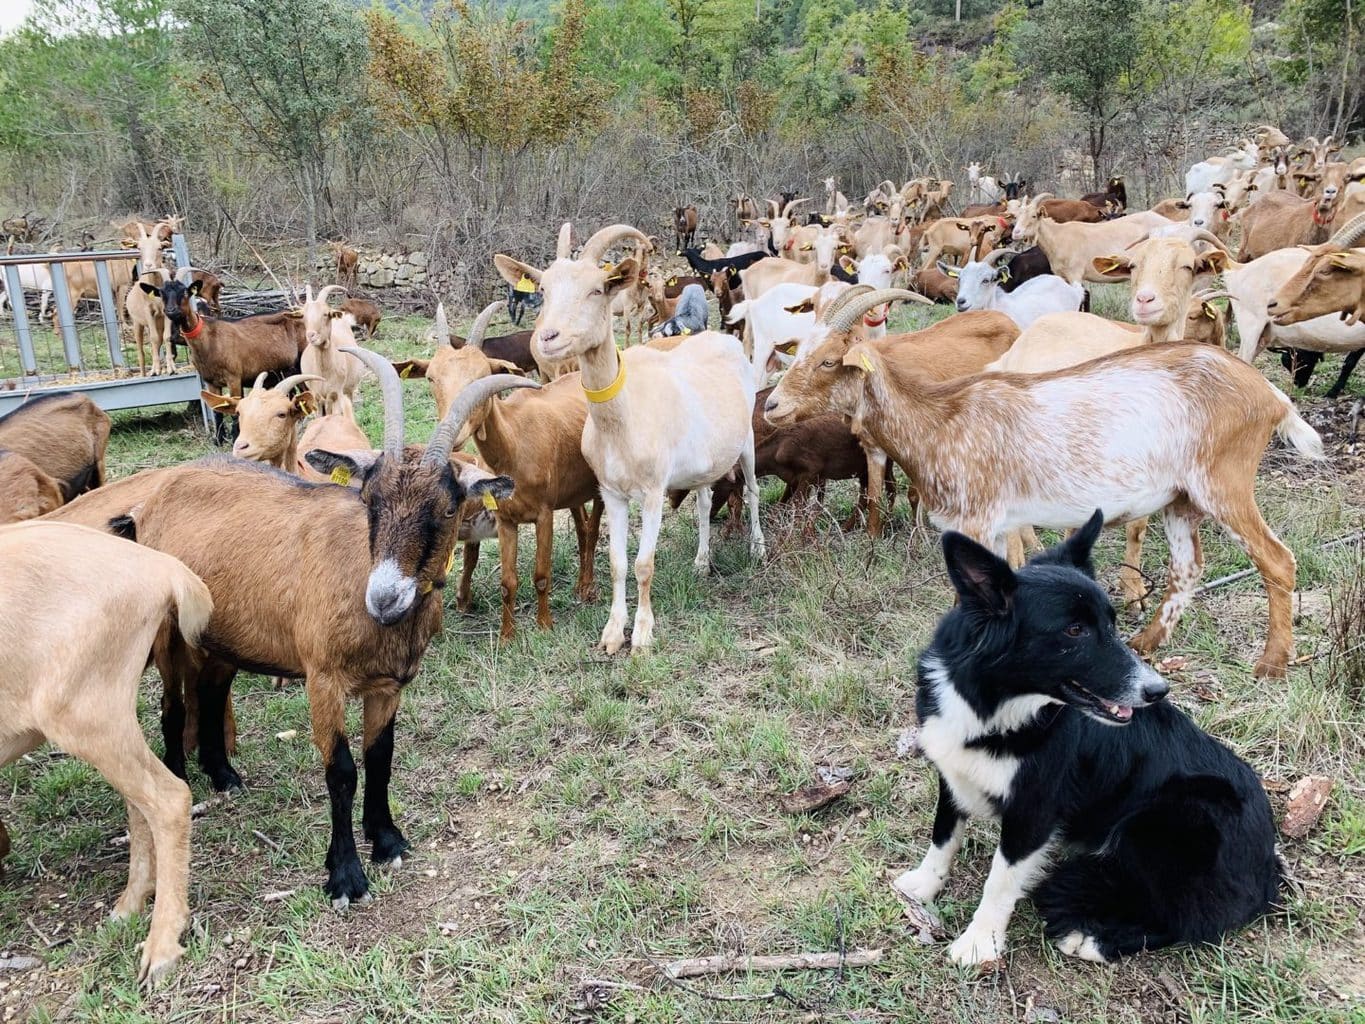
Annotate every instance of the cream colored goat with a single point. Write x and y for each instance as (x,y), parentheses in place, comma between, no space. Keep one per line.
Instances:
(657,420)
(326,332)
(76,643)
(1072,248)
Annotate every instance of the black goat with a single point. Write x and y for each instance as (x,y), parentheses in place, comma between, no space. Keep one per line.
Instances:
(732,265)
(1301,363)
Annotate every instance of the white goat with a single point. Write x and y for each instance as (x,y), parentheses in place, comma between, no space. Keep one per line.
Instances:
(32,277)
(1206,173)
(985,189)
(657,420)
(978,287)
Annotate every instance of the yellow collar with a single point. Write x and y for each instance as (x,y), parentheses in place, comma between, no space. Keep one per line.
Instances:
(613,389)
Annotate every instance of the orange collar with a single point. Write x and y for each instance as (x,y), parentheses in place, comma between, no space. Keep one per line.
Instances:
(869,322)
(1320,220)
(194,331)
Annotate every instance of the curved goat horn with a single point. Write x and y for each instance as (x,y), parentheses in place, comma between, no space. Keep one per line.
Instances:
(260,379)
(289,383)
(564,246)
(480,326)
(851,310)
(1203,235)
(183,274)
(995,255)
(324,293)
(1351,232)
(843,299)
(474,393)
(596,247)
(391,392)
(787,210)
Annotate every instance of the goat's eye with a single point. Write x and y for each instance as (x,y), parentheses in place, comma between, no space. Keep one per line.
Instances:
(828,364)
(1075,630)
(597,291)
(281,415)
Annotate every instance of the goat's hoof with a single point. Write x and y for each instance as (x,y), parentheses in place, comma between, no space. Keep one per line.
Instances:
(1271,668)
(155,967)
(226,780)
(347,884)
(389,847)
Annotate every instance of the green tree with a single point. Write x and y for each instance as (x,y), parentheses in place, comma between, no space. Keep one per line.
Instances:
(1085,50)
(289,70)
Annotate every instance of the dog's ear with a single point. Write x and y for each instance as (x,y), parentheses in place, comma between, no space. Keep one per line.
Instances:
(982,580)
(1075,550)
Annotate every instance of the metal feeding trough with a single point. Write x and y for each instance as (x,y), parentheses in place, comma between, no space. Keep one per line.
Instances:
(109,388)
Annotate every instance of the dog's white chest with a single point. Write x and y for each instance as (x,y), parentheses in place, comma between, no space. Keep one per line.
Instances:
(976,777)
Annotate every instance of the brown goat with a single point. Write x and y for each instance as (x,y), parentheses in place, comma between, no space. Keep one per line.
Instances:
(513,349)
(298,592)
(1066,210)
(536,439)
(64,435)
(1279,220)
(804,456)
(934,284)
(26,492)
(348,265)
(76,644)
(367,314)
(684,226)
(230,354)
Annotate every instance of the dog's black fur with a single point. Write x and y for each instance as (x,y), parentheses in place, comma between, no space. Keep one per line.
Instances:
(1167,836)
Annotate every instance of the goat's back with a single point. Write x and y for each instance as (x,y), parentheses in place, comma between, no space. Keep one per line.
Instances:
(64,435)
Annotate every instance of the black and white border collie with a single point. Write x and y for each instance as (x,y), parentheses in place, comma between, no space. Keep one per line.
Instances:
(1130,827)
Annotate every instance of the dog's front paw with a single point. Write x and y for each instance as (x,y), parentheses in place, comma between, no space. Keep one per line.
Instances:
(977,945)
(1082,947)
(920,884)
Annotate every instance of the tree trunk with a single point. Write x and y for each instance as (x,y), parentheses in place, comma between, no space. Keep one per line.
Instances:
(310,204)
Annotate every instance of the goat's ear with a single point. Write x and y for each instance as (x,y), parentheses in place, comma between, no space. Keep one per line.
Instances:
(305,403)
(983,580)
(225,405)
(513,271)
(1211,262)
(478,481)
(849,265)
(1113,266)
(296,312)
(947,269)
(621,275)
(341,466)
(862,357)
(411,368)
(804,306)
(196,287)
(150,289)
(787,348)
(1075,550)
(503,366)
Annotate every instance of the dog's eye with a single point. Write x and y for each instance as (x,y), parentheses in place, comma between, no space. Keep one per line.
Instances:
(1075,630)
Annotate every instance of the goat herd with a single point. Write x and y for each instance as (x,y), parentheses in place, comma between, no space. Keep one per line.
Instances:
(254,562)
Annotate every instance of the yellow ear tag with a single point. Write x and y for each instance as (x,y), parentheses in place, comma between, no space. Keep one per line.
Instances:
(867,363)
(1004,275)
(672,281)
(1209,311)
(609,267)
(406,372)
(341,475)
(525,285)
(450,562)
(489,502)
(1340,259)
(687,330)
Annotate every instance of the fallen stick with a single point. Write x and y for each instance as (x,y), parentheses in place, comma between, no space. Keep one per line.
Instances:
(1244,573)
(702,965)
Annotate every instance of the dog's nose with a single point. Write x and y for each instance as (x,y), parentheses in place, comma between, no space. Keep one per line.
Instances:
(1155,690)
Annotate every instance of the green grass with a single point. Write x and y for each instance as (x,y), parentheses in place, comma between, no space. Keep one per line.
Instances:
(573,816)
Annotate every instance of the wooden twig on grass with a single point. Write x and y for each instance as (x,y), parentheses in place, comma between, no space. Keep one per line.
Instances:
(695,967)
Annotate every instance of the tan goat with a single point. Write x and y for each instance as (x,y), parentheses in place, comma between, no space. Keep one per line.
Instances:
(657,420)
(26,492)
(1073,247)
(76,643)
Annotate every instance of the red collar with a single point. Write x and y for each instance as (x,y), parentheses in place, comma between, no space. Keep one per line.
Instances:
(1004,224)
(869,322)
(1320,220)
(194,331)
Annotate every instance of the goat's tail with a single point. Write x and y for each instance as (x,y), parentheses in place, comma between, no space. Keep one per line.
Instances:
(193,602)
(1295,430)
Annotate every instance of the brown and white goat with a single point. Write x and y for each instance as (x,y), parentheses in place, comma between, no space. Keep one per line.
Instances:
(76,644)
(1179,428)
(657,420)
(64,435)
(337,585)
(1072,248)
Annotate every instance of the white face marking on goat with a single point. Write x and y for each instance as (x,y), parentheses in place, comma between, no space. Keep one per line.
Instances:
(389,594)
(576,313)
